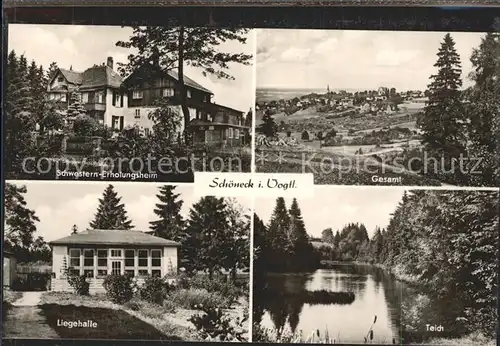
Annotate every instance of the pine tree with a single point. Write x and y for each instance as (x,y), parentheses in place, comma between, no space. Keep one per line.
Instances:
(170,224)
(268,127)
(75,108)
(484,111)
(277,230)
(19,122)
(443,121)
(111,214)
(51,73)
(37,86)
(74,229)
(206,236)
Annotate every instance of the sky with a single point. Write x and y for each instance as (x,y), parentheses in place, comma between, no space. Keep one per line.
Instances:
(60,205)
(353,59)
(82,46)
(336,207)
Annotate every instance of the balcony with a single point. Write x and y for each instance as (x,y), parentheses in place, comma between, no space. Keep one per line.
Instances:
(95,106)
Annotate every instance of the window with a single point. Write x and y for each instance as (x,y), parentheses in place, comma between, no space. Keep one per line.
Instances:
(74,257)
(236,134)
(118,100)
(99,97)
(88,258)
(116,267)
(168,92)
(60,79)
(137,94)
(85,98)
(137,113)
(147,131)
(155,258)
(192,113)
(130,272)
(102,258)
(116,253)
(89,273)
(129,258)
(188,93)
(52,97)
(63,98)
(156,272)
(102,272)
(143,258)
(230,132)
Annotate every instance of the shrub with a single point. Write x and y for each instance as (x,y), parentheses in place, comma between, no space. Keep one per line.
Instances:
(305,136)
(214,324)
(84,125)
(153,290)
(195,298)
(32,282)
(79,284)
(118,288)
(216,285)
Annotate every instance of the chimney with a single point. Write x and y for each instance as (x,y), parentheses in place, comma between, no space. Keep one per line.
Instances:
(110,62)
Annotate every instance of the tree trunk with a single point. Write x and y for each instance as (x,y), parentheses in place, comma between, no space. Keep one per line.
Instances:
(183,91)
(233,274)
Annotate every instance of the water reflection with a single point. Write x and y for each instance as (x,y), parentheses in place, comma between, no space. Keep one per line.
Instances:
(342,301)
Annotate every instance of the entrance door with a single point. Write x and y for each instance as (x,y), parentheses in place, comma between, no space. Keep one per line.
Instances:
(116,267)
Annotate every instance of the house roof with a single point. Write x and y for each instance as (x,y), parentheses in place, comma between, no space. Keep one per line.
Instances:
(96,76)
(113,237)
(188,81)
(71,76)
(171,73)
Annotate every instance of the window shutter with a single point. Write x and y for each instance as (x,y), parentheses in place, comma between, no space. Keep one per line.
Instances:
(114,98)
(121,100)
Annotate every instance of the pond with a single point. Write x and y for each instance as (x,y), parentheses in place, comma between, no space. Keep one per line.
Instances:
(343,302)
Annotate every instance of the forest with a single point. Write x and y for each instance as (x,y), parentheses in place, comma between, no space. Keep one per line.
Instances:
(283,245)
(446,241)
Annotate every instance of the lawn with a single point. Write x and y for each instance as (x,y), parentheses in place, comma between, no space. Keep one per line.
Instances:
(110,324)
(172,319)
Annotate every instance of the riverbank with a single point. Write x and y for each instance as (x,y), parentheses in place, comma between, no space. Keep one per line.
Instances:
(415,305)
(398,272)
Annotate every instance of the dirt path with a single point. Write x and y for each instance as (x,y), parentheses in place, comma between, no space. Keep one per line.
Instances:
(29,299)
(24,319)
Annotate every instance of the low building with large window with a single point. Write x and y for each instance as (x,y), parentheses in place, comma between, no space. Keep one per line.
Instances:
(98,253)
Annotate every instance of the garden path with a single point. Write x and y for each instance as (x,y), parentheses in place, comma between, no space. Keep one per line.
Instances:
(29,299)
(24,319)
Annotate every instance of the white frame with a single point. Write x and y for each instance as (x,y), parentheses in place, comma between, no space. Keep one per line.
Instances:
(168,92)
(137,94)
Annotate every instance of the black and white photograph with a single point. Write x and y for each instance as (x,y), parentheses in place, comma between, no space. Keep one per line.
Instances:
(357,107)
(364,265)
(127,261)
(127,103)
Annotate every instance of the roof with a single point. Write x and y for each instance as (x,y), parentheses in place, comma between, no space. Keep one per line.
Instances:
(96,76)
(71,76)
(151,69)
(188,81)
(114,237)
(100,76)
